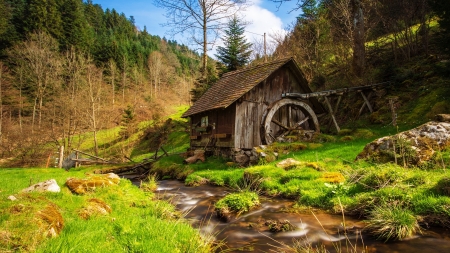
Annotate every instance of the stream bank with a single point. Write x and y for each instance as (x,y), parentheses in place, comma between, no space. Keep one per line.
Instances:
(245,233)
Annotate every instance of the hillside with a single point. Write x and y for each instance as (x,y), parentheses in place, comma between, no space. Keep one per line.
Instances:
(76,68)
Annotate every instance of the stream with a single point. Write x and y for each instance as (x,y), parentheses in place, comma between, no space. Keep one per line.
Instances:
(247,232)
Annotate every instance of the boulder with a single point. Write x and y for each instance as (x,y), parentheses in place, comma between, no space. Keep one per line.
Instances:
(47,186)
(12,198)
(288,163)
(443,117)
(82,186)
(241,159)
(410,148)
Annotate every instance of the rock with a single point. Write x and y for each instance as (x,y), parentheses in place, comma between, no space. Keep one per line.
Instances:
(443,117)
(49,186)
(412,148)
(241,159)
(82,186)
(263,147)
(199,155)
(12,198)
(248,153)
(288,163)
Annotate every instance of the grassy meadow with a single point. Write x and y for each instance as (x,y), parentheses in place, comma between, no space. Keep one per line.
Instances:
(137,221)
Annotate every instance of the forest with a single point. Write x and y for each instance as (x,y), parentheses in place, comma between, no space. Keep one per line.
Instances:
(69,67)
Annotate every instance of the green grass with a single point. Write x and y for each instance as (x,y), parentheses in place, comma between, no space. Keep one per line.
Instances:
(137,223)
(238,202)
(329,178)
(392,222)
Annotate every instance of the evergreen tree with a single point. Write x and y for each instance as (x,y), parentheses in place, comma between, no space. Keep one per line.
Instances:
(236,51)
(75,26)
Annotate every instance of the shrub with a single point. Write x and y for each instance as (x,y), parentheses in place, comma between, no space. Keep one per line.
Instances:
(443,187)
(392,223)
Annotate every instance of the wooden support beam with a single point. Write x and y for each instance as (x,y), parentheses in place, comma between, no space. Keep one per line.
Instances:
(367,101)
(335,110)
(332,114)
(392,101)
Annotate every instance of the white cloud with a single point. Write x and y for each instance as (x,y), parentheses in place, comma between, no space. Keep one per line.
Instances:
(261,21)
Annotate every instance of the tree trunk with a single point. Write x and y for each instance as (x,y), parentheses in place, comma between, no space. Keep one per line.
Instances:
(1,102)
(205,43)
(359,50)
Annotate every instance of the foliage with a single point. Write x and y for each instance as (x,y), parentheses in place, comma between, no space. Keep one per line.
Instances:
(236,50)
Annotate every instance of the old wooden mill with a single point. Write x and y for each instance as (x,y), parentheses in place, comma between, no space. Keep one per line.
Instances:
(260,104)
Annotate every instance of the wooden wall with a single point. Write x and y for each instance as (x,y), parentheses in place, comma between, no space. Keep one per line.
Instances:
(251,107)
(223,130)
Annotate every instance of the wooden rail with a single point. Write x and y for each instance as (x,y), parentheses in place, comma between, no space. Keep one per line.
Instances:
(333,92)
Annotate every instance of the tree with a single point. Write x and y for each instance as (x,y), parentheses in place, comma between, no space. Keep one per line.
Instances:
(41,63)
(202,18)
(236,52)
(350,16)
(442,8)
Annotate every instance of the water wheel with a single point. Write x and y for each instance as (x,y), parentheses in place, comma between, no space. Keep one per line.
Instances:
(288,117)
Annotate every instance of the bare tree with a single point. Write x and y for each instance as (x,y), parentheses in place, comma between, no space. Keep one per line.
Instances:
(350,16)
(112,67)
(155,68)
(40,58)
(93,96)
(202,18)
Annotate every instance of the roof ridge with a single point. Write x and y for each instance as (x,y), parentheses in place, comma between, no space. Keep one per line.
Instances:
(256,66)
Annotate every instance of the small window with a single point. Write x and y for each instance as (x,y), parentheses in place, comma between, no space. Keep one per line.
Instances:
(204,121)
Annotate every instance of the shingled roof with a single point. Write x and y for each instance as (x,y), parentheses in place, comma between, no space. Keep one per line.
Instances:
(234,85)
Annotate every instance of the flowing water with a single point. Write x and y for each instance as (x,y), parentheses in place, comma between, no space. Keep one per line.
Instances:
(247,233)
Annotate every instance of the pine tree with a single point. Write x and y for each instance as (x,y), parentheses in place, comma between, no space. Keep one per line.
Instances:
(236,50)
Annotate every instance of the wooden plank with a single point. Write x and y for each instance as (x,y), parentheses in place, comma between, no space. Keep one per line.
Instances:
(221,136)
(332,115)
(194,137)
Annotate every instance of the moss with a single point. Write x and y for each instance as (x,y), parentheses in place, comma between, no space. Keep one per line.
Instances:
(333,177)
(236,203)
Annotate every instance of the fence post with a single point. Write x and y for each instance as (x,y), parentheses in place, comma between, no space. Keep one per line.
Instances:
(61,156)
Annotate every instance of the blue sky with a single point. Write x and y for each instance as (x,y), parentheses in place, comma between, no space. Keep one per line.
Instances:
(262,15)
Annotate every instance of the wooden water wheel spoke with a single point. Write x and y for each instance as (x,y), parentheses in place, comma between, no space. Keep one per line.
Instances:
(284,116)
(280,124)
(301,122)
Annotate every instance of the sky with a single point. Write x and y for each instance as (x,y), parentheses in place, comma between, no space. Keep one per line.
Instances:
(263,16)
